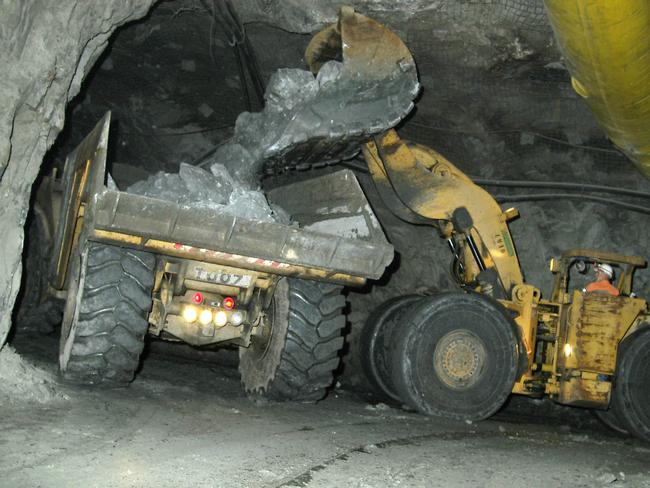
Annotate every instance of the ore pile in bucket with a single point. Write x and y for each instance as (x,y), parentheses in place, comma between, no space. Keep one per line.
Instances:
(307,119)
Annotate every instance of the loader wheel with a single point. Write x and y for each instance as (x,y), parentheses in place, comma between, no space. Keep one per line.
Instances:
(611,418)
(457,358)
(105,319)
(295,356)
(631,395)
(378,343)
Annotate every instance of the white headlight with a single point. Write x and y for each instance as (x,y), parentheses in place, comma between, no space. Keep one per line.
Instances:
(190,314)
(236,318)
(206,317)
(220,318)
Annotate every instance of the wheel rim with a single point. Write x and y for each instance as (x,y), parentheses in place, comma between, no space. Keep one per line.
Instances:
(459,359)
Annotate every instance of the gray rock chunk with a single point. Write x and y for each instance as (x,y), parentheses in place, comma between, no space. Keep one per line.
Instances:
(215,189)
(288,88)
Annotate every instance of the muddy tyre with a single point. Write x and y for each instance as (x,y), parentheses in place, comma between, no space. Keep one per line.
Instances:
(612,419)
(631,395)
(105,319)
(457,358)
(377,343)
(295,356)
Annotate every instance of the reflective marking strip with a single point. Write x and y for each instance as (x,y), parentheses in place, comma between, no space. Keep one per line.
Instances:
(508,242)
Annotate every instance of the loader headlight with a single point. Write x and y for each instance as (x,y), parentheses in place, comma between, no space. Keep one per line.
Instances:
(190,314)
(205,317)
(567,349)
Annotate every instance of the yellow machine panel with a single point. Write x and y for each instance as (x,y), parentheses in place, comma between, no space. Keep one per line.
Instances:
(596,325)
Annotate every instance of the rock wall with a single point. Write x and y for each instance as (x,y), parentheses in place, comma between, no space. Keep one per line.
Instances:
(309,15)
(47,49)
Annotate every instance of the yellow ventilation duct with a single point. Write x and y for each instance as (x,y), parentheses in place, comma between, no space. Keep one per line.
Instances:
(606,44)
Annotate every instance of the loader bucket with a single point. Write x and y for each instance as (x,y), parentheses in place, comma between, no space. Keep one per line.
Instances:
(369,50)
(366,82)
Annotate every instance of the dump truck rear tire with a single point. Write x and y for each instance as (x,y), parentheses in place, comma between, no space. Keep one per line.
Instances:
(296,355)
(105,320)
(378,343)
(631,395)
(458,356)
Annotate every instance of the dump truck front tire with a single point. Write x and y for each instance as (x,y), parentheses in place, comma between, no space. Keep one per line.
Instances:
(295,356)
(105,320)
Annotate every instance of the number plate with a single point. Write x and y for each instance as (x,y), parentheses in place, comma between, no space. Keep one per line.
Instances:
(223,277)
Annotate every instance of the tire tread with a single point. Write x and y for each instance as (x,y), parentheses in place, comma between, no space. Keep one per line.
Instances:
(312,344)
(112,321)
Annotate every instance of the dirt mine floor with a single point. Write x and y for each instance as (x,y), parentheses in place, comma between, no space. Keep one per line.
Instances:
(185,422)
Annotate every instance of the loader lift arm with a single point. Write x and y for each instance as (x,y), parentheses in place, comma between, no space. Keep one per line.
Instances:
(418,184)
(460,355)
(422,187)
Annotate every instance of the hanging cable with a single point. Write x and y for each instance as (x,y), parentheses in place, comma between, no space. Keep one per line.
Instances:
(569,196)
(561,185)
(248,53)
(235,37)
(225,14)
(362,167)
(202,161)
(519,131)
(583,187)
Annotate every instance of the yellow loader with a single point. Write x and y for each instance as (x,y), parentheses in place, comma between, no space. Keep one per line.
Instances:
(461,353)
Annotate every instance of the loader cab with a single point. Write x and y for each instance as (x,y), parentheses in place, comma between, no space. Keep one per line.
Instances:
(592,325)
(572,270)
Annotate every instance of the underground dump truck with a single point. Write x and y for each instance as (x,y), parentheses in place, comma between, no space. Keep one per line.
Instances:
(461,353)
(129,265)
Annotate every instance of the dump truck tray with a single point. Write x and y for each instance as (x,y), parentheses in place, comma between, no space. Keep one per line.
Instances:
(91,211)
(250,243)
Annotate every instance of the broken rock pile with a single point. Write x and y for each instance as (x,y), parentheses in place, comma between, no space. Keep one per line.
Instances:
(214,189)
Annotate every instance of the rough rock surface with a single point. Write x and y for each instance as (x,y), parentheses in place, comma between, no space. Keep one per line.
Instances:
(187,423)
(46,52)
(309,15)
(21,382)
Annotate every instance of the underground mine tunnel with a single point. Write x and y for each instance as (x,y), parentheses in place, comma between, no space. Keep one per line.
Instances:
(264,243)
